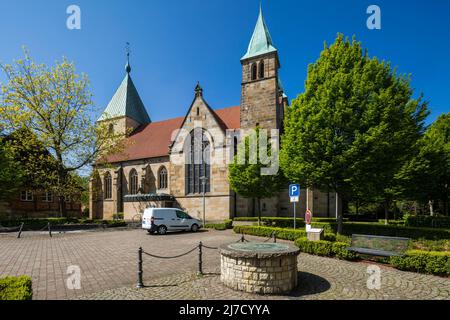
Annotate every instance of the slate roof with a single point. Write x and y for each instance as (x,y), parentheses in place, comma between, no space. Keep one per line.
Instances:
(261,41)
(153,139)
(126,102)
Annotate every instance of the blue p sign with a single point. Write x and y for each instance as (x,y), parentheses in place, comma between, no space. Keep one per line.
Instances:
(294,190)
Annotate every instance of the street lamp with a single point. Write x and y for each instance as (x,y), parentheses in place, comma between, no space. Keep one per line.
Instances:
(203,179)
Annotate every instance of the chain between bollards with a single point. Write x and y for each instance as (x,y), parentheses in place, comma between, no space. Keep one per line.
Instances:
(140,284)
(200,260)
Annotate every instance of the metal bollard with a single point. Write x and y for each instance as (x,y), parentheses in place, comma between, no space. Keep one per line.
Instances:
(20,231)
(49,229)
(140,284)
(242,238)
(274,237)
(200,260)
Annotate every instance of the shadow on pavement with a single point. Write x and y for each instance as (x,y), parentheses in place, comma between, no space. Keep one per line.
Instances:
(309,284)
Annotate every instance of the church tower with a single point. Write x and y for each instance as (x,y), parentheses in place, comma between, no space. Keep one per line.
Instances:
(262,98)
(126,111)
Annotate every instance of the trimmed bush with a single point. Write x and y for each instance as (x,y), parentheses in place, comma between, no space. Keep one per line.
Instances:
(430,262)
(249,219)
(326,249)
(286,234)
(427,221)
(281,233)
(350,228)
(227,224)
(38,223)
(16,288)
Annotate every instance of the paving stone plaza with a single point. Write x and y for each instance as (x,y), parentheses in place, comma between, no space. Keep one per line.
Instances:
(108,265)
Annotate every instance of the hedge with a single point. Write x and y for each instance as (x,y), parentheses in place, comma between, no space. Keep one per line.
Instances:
(281,233)
(39,223)
(427,221)
(326,249)
(431,262)
(16,288)
(227,224)
(283,222)
(350,228)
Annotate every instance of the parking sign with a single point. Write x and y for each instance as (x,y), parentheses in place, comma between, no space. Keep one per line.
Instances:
(294,192)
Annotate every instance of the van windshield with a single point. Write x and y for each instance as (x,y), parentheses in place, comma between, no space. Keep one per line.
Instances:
(183,215)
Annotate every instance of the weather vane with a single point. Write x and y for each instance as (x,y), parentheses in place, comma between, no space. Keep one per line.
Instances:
(127,49)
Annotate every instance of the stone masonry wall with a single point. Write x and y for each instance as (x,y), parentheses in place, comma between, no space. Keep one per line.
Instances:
(262,276)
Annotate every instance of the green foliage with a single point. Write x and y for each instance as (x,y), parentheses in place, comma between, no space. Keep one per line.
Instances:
(118,216)
(386,230)
(326,249)
(424,262)
(426,177)
(54,106)
(353,127)
(430,245)
(227,224)
(11,172)
(427,221)
(36,224)
(281,233)
(16,288)
(247,177)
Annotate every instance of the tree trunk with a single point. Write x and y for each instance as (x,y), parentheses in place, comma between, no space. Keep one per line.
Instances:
(259,211)
(338,215)
(386,213)
(430,204)
(62,207)
(253,207)
(357,207)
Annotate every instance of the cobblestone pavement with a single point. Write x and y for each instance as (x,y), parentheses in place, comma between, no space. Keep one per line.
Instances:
(108,262)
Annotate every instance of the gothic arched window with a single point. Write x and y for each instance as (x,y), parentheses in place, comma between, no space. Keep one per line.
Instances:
(162,178)
(198,169)
(108,186)
(261,69)
(134,182)
(254,71)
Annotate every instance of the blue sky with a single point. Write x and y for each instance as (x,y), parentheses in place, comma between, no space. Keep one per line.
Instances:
(177,43)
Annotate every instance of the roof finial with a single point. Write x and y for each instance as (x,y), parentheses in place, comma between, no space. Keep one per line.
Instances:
(127,49)
(198,90)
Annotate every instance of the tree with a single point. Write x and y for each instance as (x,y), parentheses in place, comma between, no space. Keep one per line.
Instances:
(55,105)
(11,174)
(353,127)
(246,177)
(426,177)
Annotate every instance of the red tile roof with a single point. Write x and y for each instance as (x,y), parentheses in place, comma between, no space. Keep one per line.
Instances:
(153,140)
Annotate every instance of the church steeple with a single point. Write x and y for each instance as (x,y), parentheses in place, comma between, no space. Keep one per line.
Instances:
(126,102)
(262,94)
(261,41)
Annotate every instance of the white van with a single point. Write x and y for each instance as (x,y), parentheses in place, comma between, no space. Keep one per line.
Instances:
(162,220)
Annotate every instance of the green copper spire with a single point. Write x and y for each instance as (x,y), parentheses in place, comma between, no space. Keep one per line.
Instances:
(261,42)
(126,101)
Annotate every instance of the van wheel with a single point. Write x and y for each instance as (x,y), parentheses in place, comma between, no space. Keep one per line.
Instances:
(194,228)
(162,230)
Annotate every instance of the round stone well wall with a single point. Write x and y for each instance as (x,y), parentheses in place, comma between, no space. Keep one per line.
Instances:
(262,268)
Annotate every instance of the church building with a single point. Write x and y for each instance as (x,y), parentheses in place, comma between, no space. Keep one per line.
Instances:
(171,163)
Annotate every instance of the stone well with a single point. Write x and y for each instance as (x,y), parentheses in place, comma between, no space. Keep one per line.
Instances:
(263,268)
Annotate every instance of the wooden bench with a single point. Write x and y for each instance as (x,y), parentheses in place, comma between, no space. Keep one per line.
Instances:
(379,245)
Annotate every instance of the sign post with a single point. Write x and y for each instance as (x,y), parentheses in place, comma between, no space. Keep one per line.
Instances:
(294,194)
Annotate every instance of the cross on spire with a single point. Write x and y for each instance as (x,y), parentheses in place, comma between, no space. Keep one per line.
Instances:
(128,51)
